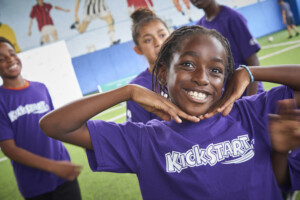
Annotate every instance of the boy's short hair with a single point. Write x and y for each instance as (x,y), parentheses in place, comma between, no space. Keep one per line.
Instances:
(4,40)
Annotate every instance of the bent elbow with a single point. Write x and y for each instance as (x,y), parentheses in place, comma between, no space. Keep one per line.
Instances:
(47,127)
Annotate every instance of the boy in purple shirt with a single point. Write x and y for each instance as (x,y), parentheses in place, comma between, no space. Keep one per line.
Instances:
(219,157)
(41,164)
(233,26)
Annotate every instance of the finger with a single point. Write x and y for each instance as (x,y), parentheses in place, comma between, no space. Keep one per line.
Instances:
(227,110)
(176,113)
(228,103)
(285,105)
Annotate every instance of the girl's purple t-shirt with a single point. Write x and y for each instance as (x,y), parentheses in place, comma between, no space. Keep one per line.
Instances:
(135,113)
(20,112)
(217,158)
(233,26)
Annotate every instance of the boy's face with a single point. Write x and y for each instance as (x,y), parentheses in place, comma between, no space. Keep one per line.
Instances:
(202,4)
(152,36)
(196,74)
(10,64)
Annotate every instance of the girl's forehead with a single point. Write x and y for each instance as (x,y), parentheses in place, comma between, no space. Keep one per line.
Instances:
(198,41)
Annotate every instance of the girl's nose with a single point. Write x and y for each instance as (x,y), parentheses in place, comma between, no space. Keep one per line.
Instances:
(200,76)
(158,42)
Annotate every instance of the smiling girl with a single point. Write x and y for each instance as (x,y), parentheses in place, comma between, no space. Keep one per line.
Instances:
(222,157)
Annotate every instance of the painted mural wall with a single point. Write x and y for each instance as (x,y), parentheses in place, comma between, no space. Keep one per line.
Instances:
(89,25)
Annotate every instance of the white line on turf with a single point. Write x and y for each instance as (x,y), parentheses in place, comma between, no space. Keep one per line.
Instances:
(112,109)
(280,51)
(280,44)
(3,159)
(117,117)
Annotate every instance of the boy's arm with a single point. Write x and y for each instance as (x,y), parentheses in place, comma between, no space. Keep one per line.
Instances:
(29,28)
(68,123)
(61,9)
(283,16)
(63,169)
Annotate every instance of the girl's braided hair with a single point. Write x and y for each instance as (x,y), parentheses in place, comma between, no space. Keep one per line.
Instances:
(173,44)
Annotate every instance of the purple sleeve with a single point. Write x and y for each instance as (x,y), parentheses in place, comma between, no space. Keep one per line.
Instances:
(239,30)
(117,147)
(6,132)
(294,169)
(49,97)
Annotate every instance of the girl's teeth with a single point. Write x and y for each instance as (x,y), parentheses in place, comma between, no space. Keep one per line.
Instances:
(197,95)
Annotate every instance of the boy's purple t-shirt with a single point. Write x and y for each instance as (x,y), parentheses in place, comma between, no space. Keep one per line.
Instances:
(135,113)
(217,158)
(20,112)
(233,26)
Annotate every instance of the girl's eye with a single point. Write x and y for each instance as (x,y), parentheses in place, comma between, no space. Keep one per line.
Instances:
(163,35)
(187,65)
(147,40)
(217,70)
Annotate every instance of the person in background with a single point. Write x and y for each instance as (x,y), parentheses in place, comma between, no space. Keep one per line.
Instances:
(95,9)
(288,18)
(190,155)
(233,26)
(148,33)
(41,164)
(41,11)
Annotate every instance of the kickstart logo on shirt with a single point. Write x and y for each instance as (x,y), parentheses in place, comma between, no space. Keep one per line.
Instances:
(35,108)
(237,151)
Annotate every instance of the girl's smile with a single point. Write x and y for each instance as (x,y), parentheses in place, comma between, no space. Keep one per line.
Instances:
(196,75)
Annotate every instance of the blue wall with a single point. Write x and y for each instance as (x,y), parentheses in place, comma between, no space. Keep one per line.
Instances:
(107,65)
(263,17)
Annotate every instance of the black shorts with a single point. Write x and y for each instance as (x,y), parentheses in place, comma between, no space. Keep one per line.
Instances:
(290,21)
(66,191)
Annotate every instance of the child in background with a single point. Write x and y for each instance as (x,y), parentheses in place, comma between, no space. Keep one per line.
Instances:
(41,164)
(148,33)
(222,157)
(288,18)
(233,26)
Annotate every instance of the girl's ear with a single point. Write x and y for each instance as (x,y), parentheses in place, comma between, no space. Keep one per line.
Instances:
(138,50)
(162,75)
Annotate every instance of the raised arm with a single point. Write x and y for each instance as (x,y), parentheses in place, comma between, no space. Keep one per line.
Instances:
(281,74)
(68,123)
